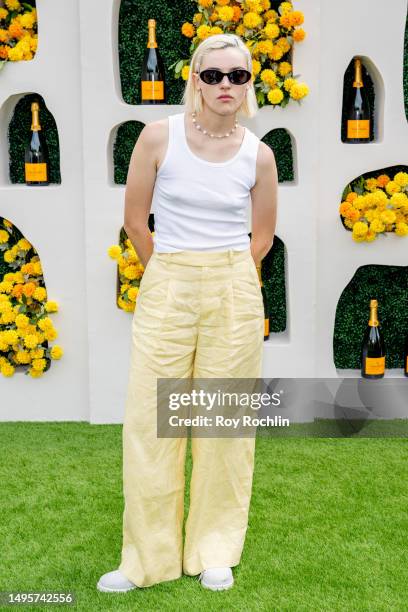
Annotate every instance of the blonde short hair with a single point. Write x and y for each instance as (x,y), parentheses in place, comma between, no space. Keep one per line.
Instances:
(192,98)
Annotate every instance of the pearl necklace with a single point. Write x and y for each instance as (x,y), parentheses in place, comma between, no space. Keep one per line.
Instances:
(209,133)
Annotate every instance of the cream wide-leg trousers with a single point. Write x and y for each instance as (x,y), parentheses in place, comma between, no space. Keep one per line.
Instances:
(198,314)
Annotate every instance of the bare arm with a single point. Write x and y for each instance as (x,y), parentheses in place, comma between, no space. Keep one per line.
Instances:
(139,191)
(264,195)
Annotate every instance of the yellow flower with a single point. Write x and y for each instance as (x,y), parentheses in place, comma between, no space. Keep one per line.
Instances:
(114,251)
(268,76)
(185,71)
(50,334)
(188,29)
(45,323)
(285,21)
(388,216)
(40,294)
(370,236)
(371,184)
(7,369)
(265,47)
(31,340)
(275,96)
(23,356)
(285,7)
(401,178)
(35,373)
(392,187)
(401,229)
(283,44)
(197,17)
(240,30)
(276,53)
(270,16)
(39,364)
(296,18)
(51,306)
(254,5)
(4,236)
(12,5)
(132,293)
(256,67)
(298,35)
(360,228)
(205,3)
(37,353)
(3,13)
(284,68)
(271,30)
(15,54)
(27,20)
(226,13)
(56,352)
(203,31)
(288,83)
(398,200)
(252,20)
(298,91)
(37,267)
(377,226)
(22,320)
(130,272)
(9,256)
(215,30)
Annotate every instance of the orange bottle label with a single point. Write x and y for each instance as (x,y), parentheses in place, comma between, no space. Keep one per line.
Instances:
(358,128)
(266,327)
(375,365)
(36,172)
(152,90)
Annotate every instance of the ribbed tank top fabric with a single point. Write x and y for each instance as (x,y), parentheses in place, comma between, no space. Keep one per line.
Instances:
(200,205)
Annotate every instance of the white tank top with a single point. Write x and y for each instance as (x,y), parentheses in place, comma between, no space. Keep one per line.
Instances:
(200,205)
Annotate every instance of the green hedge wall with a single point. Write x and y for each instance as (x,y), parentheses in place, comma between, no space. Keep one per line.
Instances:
(388,285)
(19,135)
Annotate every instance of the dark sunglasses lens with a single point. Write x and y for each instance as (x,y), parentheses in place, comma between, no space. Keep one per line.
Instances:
(239,77)
(211,76)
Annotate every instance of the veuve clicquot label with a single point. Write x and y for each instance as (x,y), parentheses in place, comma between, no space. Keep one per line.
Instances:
(373,347)
(36,152)
(36,172)
(153,89)
(375,365)
(358,112)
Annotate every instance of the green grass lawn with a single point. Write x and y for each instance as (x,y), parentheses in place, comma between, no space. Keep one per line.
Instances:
(327,528)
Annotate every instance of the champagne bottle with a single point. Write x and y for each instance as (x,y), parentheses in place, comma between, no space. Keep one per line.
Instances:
(373,347)
(406,356)
(153,86)
(266,319)
(36,152)
(358,114)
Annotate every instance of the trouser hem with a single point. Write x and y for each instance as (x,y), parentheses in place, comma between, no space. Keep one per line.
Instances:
(142,583)
(193,565)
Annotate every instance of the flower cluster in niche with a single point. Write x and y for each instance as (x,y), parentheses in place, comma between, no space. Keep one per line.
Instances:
(25,327)
(18,31)
(130,272)
(376,205)
(268,34)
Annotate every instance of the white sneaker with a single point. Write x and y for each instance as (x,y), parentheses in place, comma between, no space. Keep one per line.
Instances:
(217,578)
(114,582)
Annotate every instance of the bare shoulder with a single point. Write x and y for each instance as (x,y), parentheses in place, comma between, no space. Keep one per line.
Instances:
(155,132)
(266,158)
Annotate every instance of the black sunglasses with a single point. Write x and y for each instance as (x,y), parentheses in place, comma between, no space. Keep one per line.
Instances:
(236,77)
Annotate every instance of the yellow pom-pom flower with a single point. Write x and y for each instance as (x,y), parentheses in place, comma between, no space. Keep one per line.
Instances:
(275,96)
(284,68)
(401,178)
(271,30)
(185,71)
(31,341)
(51,306)
(401,229)
(268,76)
(7,369)
(114,251)
(12,5)
(299,91)
(203,31)
(252,20)
(225,13)
(56,352)
(40,294)
(188,29)
(4,236)
(299,34)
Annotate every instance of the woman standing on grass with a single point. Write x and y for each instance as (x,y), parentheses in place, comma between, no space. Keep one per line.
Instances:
(199,314)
